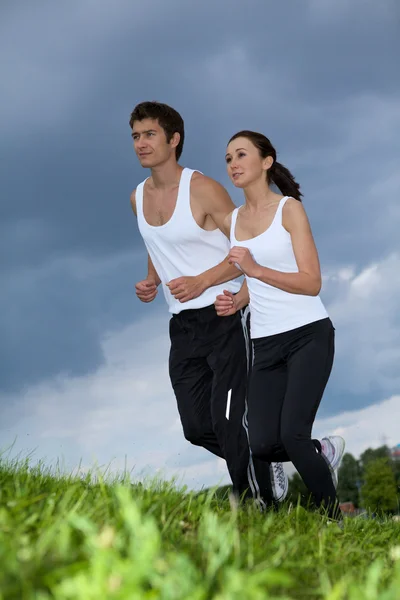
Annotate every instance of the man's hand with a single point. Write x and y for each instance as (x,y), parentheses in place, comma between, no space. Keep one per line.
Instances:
(226,304)
(146,290)
(187,288)
(242,258)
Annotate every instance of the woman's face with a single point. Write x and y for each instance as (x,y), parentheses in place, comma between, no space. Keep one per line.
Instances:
(244,163)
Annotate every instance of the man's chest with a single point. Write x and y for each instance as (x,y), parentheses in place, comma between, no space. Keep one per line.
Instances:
(159,208)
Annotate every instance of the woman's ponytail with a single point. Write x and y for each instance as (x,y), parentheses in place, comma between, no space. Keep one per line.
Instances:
(284,181)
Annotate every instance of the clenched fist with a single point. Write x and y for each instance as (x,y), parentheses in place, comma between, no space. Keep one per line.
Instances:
(146,290)
(187,288)
(226,304)
(243,258)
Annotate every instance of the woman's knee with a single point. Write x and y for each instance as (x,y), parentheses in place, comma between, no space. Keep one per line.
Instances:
(291,438)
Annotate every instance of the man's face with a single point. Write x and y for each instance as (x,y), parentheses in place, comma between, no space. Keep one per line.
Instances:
(150,143)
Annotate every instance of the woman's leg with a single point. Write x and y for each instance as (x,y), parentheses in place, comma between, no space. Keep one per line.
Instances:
(309,352)
(267,390)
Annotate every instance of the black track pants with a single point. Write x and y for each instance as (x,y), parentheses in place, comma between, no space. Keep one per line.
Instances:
(208,368)
(289,375)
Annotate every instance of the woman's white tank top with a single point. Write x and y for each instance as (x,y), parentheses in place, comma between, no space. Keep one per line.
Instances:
(273,310)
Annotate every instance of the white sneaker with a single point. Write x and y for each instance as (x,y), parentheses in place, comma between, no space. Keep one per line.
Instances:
(332,450)
(279,481)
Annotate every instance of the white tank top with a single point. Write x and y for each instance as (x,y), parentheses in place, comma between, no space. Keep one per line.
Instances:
(273,310)
(181,247)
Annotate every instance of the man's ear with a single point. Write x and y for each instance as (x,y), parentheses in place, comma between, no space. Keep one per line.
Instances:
(176,138)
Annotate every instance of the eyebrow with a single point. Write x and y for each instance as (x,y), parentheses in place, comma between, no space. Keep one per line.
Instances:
(147,131)
(237,150)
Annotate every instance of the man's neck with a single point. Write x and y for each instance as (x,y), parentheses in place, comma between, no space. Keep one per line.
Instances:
(166,176)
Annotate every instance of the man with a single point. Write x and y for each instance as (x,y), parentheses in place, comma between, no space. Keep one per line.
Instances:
(181,216)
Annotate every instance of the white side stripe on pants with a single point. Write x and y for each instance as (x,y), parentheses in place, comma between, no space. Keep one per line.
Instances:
(228,405)
(255,488)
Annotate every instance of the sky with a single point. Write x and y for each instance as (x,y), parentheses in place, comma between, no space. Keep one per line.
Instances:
(83,364)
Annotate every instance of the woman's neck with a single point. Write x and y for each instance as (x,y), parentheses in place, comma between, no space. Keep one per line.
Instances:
(259,195)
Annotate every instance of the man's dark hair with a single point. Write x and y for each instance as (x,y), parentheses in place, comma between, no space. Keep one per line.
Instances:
(168,118)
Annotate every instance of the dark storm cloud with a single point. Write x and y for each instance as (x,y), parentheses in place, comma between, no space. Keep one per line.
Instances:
(54,317)
(76,169)
(316,77)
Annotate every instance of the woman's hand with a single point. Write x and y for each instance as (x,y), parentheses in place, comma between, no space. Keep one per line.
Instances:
(226,304)
(242,258)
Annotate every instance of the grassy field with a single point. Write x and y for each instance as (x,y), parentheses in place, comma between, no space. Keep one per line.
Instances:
(88,539)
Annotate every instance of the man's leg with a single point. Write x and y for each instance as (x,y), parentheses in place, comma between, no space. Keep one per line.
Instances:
(191,379)
(229,362)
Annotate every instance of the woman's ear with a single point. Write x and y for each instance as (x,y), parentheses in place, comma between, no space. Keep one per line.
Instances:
(267,163)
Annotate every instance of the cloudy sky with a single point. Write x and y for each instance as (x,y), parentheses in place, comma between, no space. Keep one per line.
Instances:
(83,373)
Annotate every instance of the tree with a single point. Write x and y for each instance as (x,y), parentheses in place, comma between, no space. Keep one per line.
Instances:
(349,480)
(396,466)
(379,492)
(372,454)
(396,469)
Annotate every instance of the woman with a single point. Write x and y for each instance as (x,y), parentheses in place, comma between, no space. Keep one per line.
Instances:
(292,334)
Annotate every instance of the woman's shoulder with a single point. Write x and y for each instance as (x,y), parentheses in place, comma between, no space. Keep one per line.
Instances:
(292,206)
(293,213)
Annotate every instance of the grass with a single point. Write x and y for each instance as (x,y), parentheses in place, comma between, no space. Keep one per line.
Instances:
(91,539)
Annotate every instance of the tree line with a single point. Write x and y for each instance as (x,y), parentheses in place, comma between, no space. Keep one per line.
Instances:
(370,483)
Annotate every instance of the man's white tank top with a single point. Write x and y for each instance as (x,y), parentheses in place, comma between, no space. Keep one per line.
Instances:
(181,247)
(273,310)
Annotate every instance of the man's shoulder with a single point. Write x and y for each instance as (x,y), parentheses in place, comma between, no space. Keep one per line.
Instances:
(133,201)
(139,188)
(203,183)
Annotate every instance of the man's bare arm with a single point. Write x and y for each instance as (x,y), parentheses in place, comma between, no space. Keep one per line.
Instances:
(146,290)
(221,273)
(151,271)
(216,202)
(189,287)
